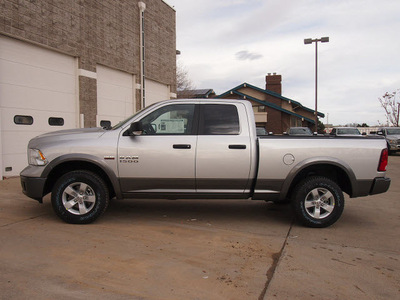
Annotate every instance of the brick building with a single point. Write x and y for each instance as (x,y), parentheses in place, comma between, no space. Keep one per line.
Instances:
(271,110)
(73,63)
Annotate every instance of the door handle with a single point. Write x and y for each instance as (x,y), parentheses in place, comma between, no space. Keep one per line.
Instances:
(237,146)
(182,146)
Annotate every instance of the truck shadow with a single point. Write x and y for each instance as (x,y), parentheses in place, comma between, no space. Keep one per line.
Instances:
(220,211)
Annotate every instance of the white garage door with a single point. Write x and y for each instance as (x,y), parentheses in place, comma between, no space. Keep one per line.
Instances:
(115,96)
(156,92)
(37,95)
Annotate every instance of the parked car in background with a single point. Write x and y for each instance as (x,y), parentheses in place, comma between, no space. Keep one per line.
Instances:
(345,131)
(299,131)
(392,136)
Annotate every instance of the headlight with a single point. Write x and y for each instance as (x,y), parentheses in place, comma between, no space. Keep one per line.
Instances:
(36,157)
(392,141)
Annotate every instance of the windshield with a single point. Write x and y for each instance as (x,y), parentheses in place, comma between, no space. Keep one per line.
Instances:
(393,131)
(122,123)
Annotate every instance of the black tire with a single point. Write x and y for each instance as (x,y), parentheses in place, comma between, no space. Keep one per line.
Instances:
(80,197)
(317,202)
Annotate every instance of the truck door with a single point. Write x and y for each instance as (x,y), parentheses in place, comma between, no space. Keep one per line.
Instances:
(162,159)
(223,158)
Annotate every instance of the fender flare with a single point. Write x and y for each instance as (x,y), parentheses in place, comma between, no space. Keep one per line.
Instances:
(80,157)
(315,161)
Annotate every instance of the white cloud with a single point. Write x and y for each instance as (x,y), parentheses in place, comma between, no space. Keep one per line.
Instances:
(246,55)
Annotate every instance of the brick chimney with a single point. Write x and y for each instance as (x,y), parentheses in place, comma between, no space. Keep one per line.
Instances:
(274,83)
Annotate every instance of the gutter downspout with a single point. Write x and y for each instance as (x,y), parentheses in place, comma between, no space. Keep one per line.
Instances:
(1,148)
(142,7)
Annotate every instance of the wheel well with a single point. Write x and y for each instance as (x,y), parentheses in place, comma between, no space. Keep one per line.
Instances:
(69,166)
(332,172)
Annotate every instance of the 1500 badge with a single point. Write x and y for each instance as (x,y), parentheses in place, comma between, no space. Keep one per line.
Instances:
(128,159)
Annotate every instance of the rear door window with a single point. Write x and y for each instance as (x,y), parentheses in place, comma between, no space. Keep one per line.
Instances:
(219,119)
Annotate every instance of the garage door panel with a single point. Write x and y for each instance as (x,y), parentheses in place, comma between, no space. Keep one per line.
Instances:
(156,92)
(29,76)
(115,95)
(24,53)
(40,120)
(14,96)
(14,150)
(18,141)
(113,77)
(35,82)
(15,163)
(113,119)
(111,107)
(15,138)
(117,114)
(114,92)
(128,109)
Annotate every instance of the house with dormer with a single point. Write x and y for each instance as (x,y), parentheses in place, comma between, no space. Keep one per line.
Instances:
(273,111)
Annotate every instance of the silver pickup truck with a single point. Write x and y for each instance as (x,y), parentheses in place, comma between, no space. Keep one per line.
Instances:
(203,149)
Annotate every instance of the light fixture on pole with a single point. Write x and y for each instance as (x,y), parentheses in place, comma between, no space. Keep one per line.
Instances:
(310,41)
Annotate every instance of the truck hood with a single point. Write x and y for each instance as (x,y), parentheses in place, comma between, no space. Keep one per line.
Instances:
(69,134)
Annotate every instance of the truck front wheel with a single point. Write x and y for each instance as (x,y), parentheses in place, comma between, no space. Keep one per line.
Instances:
(317,202)
(80,197)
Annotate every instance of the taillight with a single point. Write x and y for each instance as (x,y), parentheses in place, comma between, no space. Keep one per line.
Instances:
(383,161)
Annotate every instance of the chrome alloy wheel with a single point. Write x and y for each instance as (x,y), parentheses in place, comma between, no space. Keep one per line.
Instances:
(78,198)
(319,203)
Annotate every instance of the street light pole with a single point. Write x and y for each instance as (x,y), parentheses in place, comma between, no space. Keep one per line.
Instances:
(310,41)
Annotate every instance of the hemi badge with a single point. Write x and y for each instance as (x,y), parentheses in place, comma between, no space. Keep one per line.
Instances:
(109,157)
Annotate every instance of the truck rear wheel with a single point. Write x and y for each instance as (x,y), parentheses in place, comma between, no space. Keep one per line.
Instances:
(317,202)
(80,197)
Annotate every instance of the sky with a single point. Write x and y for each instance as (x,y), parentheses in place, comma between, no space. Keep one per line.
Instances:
(225,43)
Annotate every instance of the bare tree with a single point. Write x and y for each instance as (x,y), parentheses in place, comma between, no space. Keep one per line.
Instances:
(184,85)
(391,105)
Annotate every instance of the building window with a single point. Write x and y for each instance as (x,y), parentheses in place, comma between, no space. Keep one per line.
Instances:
(56,121)
(295,122)
(105,124)
(262,108)
(23,120)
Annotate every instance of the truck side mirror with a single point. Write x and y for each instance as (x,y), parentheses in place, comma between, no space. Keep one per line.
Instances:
(380,132)
(136,128)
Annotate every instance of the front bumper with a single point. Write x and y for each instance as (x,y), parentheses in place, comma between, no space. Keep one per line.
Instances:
(33,187)
(380,185)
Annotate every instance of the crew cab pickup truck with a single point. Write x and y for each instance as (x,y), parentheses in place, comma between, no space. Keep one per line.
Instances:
(204,149)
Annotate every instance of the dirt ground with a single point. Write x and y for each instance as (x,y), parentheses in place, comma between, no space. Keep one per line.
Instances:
(211,249)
